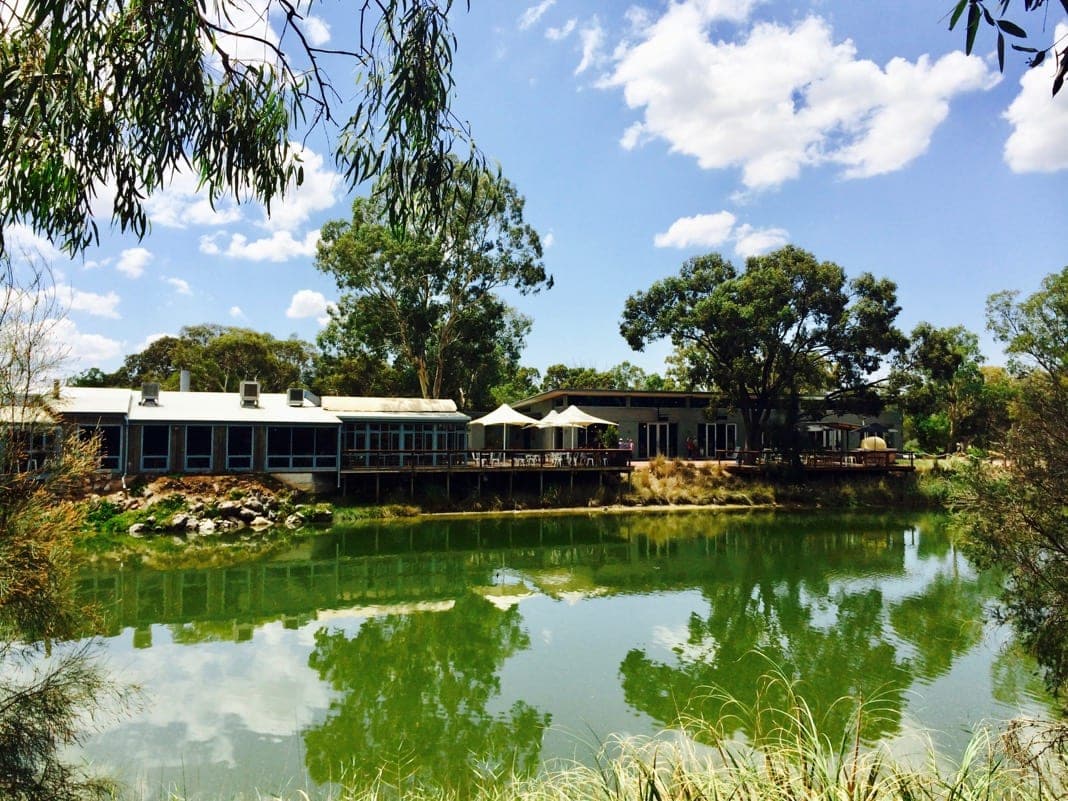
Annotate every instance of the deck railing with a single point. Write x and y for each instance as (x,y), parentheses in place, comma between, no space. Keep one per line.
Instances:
(487,458)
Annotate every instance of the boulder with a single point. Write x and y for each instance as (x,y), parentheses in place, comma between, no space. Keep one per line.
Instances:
(295,520)
(206,527)
(137,530)
(260,522)
(180,520)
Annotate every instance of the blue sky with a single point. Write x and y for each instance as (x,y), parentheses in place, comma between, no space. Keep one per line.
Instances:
(645,133)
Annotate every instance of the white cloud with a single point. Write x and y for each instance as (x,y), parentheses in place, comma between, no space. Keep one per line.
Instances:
(565,30)
(534,13)
(23,243)
(181,286)
(548,240)
(321,189)
(236,313)
(592,36)
(308,303)
(280,246)
(705,230)
(317,30)
(180,204)
(89,302)
(85,350)
(715,230)
(132,262)
(749,241)
(777,99)
(1039,138)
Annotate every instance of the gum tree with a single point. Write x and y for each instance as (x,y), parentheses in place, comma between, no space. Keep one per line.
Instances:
(424,298)
(122,94)
(763,334)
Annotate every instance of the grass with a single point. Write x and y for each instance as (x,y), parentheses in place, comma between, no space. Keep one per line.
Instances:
(794,761)
(674,482)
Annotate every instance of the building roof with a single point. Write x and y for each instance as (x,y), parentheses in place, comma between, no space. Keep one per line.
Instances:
(226,407)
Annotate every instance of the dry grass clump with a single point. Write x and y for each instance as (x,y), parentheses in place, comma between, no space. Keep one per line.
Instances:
(675,482)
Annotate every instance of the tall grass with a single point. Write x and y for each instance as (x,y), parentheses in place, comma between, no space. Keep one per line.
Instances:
(789,759)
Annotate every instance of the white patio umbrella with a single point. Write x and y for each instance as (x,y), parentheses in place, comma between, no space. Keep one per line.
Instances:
(552,420)
(574,417)
(504,415)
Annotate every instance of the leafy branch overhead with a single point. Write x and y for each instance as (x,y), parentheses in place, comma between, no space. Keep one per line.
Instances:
(98,94)
(978,13)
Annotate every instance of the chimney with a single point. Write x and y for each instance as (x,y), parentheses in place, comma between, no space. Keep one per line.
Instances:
(183,381)
(55,389)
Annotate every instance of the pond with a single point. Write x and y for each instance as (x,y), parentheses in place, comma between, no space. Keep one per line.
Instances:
(431,649)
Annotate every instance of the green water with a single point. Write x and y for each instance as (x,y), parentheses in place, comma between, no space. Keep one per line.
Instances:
(432,650)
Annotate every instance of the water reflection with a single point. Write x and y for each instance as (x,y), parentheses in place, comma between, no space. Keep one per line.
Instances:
(432,651)
(413,696)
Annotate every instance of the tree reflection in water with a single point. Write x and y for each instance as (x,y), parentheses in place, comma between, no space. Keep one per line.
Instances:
(414,698)
(772,612)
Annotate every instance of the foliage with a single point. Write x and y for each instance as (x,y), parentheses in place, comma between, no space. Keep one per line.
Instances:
(940,385)
(41,703)
(623,376)
(785,323)
(1018,38)
(423,299)
(218,358)
(128,94)
(1017,513)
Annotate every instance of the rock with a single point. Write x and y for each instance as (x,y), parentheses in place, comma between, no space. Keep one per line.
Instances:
(254,503)
(246,514)
(192,524)
(228,508)
(137,530)
(295,520)
(196,507)
(180,520)
(206,527)
(151,520)
(260,522)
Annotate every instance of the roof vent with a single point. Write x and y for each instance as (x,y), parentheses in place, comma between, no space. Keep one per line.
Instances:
(250,393)
(296,396)
(150,393)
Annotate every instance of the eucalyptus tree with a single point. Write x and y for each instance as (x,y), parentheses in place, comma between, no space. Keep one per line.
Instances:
(423,298)
(763,334)
(123,94)
(939,382)
(1017,514)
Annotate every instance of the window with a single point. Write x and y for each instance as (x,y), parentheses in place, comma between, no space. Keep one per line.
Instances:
(110,454)
(239,448)
(155,447)
(198,441)
(301,448)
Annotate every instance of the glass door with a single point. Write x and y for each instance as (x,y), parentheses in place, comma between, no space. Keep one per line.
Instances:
(657,439)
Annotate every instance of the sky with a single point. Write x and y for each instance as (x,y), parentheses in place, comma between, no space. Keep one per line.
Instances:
(642,134)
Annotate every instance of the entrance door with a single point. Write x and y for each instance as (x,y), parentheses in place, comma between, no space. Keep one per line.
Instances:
(657,439)
(726,439)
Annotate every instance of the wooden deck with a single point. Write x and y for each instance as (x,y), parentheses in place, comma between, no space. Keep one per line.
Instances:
(474,468)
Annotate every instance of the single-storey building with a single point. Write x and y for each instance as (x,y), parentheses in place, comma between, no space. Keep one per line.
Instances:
(296,432)
(661,422)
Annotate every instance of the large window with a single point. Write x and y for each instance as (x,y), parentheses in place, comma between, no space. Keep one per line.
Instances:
(239,448)
(301,448)
(371,444)
(155,447)
(198,447)
(110,438)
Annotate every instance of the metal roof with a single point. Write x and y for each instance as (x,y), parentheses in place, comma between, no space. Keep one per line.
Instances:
(225,407)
